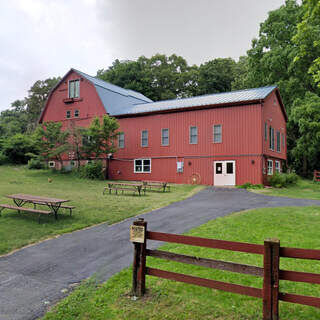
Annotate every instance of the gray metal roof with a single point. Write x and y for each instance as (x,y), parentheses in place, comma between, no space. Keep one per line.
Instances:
(115,99)
(211,99)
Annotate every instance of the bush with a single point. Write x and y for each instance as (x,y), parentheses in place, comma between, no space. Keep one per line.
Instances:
(280,180)
(3,158)
(249,185)
(35,163)
(91,170)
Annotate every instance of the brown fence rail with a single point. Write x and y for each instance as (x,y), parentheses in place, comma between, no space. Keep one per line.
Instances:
(316,175)
(270,272)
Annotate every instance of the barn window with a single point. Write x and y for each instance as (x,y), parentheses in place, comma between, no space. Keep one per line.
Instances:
(68,115)
(265,131)
(74,88)
(271,138)
(51,164)
(270,167)
(144,138)
(164,137)
(277,166)
(217,133)
(121,140)
(283,142)
(76,113)
(142,165)
(278,141)
(193,135)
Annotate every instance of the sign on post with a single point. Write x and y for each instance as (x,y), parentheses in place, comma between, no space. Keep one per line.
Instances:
(137,233)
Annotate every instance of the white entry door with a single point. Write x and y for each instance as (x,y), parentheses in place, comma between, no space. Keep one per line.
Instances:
(224,173)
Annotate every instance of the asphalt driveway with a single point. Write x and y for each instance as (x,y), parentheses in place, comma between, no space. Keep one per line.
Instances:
(35,277)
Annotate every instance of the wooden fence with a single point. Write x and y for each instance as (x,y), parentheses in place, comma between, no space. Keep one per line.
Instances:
(316,175)
(271,251)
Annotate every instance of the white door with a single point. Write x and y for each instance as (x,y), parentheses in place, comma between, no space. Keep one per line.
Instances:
(224,173)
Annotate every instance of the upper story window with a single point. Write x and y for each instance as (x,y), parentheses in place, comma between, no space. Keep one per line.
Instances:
(68,115)
(74,88)
(76,113)
(265,131)
(271,138)
(121,140)
(217,133)
(278,142)
(193,135)
(144,138)
(164,137)
(283,142)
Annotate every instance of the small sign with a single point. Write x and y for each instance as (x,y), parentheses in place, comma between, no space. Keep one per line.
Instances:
(137,234)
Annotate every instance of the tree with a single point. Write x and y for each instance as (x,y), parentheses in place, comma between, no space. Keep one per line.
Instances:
(241,70)
(18,148)
(158,78)
(216,76)
(36,99)
(307,39)
(101,138)
(306,117)
(53,141)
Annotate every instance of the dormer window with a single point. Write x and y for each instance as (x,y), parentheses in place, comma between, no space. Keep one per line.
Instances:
(74,88)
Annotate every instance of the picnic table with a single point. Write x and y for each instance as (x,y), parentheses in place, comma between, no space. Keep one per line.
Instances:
(156,185)
(135,187)
(19,200)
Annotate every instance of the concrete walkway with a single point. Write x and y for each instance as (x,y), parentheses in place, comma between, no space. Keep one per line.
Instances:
(33,278)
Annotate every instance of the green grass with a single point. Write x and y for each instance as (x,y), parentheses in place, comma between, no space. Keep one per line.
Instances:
(17,230)
(306,189)
(295,227)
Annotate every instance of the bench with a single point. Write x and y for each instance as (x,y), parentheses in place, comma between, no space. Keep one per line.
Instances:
(124,187)
(156,185)
(62,206)
(7,206)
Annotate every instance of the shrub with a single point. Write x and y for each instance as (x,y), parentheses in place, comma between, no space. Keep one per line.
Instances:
(3,158)
(280,180)
(35,163)
(249,185)
(91,170)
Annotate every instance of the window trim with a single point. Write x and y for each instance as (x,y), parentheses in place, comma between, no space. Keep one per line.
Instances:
(162,144)
(142,165)
(216,125)
(121,134)
(142,138)
(266,131)
(190,135)
(275,166)
(269,161)
(73,80)
(283,141)
(271,138)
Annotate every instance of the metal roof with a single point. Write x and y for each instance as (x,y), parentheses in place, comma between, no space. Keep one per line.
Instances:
(211,99)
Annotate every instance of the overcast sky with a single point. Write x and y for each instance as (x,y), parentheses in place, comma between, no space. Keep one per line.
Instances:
(45,38)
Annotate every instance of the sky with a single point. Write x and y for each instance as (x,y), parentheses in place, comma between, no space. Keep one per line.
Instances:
(40,39)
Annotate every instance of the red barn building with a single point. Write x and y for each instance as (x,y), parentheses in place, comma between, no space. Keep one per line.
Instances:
(218,139)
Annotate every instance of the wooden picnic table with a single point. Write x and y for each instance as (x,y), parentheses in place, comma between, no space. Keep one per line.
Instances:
(125,186)
(54,204)
(156,184)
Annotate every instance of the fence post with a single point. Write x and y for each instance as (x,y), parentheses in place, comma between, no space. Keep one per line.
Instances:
(139,262)
(271,279)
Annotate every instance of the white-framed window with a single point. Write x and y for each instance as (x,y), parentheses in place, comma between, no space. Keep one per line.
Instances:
(165,137)
(76,113)
(277,167)
(51,164)
(121,140)
(265,131)
(217,133)
(271,138)
(270,167)
(193,135)
(142,165)
(68,114)
(278,141)
(74,88)
(144,138)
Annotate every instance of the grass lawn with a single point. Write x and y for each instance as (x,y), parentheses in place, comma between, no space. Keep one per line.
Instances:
(306,189)
(17,230)
(295,227)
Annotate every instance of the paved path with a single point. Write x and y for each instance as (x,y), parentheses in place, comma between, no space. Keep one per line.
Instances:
(34,277)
